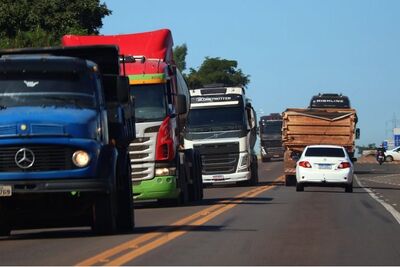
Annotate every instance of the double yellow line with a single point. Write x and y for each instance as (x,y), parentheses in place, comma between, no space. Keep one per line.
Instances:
(128,251)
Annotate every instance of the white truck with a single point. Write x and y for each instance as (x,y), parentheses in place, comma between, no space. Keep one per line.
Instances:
(222,126)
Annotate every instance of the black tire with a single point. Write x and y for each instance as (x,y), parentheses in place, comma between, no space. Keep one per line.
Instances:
(193,168)
(125,213)
(254,173)
(389,159)
(349,188)
(290,180)
(198,191)
(265,159)
(5,226)
(105,214)
(299,187)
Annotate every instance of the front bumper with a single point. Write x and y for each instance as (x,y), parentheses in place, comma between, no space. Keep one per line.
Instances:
(224,178)
(342,177)
(160,187)
(59,186)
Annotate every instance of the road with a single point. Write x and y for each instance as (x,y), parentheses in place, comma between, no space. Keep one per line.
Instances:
(265,225)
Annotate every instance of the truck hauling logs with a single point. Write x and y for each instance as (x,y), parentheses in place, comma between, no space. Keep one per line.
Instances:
(329,120)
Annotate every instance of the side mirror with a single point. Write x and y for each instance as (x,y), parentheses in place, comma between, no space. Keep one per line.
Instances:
(358,133)
(123,93)
(116,88)
(181,104)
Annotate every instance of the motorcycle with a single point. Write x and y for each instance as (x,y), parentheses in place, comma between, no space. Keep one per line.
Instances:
(380,157)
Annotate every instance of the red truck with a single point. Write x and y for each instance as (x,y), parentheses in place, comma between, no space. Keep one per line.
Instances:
(160,168)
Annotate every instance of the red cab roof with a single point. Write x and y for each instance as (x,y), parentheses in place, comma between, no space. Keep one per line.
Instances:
(153,45)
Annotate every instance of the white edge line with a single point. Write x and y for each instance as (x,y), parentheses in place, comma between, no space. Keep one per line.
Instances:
(387,206)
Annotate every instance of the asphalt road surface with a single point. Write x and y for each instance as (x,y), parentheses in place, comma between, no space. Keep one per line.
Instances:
(265,225)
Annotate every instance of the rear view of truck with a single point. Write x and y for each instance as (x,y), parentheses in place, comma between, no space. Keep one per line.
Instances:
(328,121)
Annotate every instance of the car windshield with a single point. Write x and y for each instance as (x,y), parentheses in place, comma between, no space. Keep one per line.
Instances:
(216,119)
(150,102)
(325,152)
(47,89)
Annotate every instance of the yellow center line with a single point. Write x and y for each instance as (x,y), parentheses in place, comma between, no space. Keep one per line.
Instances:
(132,249)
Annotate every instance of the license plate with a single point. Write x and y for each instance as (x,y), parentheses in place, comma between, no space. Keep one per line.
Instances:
(325,166)
(218,177)
(5,190)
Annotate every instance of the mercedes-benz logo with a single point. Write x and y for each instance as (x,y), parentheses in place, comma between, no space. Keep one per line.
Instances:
(24,158)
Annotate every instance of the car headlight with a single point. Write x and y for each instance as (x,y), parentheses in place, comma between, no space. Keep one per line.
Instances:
(80,158)
(165,171)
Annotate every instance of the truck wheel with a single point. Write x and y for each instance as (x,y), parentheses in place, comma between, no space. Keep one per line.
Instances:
(299,187)
(290,180)
(266,159)
(349,188)
(125,215)
(196,188)
(105,214)
(254,173)
(5,227)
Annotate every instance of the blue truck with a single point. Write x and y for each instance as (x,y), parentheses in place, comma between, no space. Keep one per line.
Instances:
(66,121)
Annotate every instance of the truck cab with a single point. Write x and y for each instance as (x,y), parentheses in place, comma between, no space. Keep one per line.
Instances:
(271,137)
(222,125)
(67,120)
(160,168)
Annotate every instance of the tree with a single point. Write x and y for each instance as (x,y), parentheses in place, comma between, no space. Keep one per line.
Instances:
(42,22)
(180,53)
(217,70)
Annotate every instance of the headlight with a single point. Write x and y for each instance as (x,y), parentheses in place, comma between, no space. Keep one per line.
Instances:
(80,158)
(245,161)
(165,171)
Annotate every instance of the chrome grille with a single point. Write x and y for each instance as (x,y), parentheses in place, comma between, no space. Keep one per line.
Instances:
(219,158)
(47,158)
(219,163)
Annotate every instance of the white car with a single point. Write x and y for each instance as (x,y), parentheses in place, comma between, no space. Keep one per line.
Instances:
(393,154)
(324,165)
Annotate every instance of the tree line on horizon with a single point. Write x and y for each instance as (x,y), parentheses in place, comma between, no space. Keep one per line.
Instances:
(41,23)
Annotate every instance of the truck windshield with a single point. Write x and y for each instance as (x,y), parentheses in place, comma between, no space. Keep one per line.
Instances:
(273,127)
(216,119)
(47,89)
(150,102)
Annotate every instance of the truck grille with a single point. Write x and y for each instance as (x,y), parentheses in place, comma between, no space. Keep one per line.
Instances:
(219,163)
(141,153)
(221,158)
(47,158)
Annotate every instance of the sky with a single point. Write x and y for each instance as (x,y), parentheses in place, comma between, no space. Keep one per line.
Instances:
(292,50)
